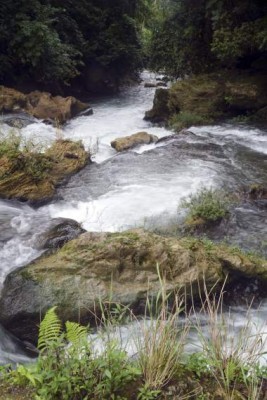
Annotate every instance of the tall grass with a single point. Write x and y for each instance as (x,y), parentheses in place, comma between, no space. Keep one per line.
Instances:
(160,345)
(232,353)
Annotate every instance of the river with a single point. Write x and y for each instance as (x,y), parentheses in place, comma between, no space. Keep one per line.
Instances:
(141,187)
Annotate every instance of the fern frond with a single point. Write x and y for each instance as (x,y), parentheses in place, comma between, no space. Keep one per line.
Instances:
(50,329)
(76,333)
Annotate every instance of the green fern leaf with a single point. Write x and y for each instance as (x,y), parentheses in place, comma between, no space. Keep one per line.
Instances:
(50,329)
(76,333)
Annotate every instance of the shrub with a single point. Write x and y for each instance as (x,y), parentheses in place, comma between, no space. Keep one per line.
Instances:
(206,206)
(185,119)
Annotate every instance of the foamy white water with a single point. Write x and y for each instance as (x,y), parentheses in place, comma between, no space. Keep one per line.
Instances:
(138,188)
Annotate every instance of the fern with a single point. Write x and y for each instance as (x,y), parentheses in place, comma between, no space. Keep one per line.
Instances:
(50,329)
(75,333)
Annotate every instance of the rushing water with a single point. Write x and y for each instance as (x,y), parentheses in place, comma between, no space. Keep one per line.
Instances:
(141,187)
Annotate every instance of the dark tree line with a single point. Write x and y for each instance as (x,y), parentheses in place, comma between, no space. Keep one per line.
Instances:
(54,41)
(202,35)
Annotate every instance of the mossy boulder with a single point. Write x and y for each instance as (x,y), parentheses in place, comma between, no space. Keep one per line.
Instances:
(30,176)
(137,139)
(121,267)
(41,105)
(160,111)
(209,98)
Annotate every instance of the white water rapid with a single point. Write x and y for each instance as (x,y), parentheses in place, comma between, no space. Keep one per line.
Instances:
(138,188)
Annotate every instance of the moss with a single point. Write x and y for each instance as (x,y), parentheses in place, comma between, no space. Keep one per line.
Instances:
(185,119)
(13,392)
(28,175)
(205,99)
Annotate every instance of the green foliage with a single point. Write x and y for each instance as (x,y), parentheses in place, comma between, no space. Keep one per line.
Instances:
(52,42)
(50,329)
(207,205)
(200,35)
(19,156)
(10,144)
(185,119)
(68,366)
(76,334)
(146,393)
(198,364)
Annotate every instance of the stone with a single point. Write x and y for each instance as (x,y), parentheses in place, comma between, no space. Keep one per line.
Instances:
(62,231)
(160,111)
(34,176)
(150,85)
(117,267)
(41,105)
(137,139)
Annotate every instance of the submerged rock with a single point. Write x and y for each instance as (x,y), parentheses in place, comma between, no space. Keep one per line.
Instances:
(29,176)
(127,142)
(41,105)
(121,267)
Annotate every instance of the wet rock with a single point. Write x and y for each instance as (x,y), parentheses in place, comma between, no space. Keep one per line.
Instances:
(205,99)
(41,105)
(62,231)
(150,85)
(18,121)
(128,142)
(34,176)
(121,266)
(160,111)
(161,84)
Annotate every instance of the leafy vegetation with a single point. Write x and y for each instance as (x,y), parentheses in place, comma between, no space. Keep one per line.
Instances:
(29,173)
(70,366)
(206,206)
(201,35)
(52,42)
(185,119)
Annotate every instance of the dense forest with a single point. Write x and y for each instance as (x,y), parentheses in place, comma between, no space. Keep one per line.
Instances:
(203,35)
(51,42)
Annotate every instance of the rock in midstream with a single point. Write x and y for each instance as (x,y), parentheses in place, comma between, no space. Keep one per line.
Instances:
(121,267)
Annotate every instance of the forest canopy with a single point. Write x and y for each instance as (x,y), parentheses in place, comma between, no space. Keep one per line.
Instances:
(202,35)
(54,41)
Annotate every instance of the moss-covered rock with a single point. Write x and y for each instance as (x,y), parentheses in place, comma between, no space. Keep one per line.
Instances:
(41,105)
(160,111)
(209,98)
(128,142)
(30,176)
(121,267)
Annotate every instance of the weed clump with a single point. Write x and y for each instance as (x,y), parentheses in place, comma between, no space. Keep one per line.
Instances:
(186,119)
(205,207)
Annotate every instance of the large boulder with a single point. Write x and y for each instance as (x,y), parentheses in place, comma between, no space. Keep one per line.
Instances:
(210,98)
(41,105)
(33,177)
(127,142)
(118,267)
(160,111)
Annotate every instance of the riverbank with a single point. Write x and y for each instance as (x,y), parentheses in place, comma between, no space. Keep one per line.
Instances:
(141,187)
(212,98)
(160,368)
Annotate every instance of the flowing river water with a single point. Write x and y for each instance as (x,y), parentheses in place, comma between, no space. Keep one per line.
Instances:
(138,188)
